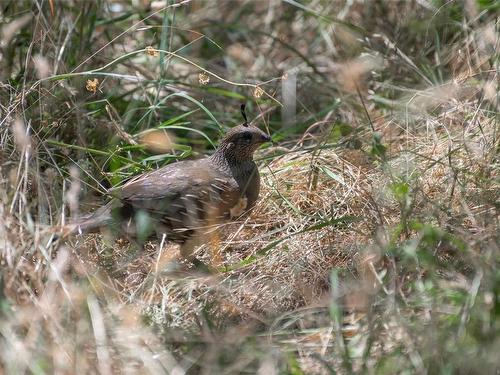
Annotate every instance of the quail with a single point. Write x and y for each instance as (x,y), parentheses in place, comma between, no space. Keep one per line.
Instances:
(181,199)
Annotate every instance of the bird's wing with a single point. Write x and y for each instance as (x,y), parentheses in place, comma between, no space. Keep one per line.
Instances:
(164,182)
(183,187)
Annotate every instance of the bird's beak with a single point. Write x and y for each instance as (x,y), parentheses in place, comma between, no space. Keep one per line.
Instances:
(265,138)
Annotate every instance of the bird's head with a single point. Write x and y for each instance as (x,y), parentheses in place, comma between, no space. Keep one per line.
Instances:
(241,141)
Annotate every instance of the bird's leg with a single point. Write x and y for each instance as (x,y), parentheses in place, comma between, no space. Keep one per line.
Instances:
(216,258)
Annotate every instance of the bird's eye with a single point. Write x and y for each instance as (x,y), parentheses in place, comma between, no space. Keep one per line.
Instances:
(247,136)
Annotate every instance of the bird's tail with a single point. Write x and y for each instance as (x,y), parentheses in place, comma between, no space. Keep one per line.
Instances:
(96,220)
(90,223)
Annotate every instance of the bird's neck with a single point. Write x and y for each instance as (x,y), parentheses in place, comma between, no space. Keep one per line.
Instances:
(226,156)
(242,169)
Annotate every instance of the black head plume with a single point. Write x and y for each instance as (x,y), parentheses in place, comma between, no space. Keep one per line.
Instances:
(244,114)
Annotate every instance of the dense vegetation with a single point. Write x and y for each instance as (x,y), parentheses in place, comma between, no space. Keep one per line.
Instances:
(374,247)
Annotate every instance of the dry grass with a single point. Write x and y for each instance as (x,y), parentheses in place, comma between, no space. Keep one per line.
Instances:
(373,247)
